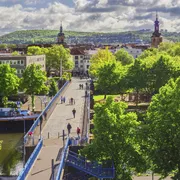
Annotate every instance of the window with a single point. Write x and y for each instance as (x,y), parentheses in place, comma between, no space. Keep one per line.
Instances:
(15,62)
(81,56)
(76,57)
(81,61)
(18,71)
(11,62)
(18,62)
(81,66)
(22,62)
(76,62)
(22,70)
(87,66)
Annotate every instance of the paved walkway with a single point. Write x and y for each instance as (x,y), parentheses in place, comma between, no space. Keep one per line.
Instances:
(61,116)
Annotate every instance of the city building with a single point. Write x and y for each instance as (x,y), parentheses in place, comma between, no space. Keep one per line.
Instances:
(21,62)
(61,36)
(156,37)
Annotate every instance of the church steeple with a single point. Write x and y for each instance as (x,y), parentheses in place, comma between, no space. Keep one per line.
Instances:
(156,38)
(60,37)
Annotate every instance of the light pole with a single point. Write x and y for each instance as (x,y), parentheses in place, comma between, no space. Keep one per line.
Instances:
(60,67)
(24,148)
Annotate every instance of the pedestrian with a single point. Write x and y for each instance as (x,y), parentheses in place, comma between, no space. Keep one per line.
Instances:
(85,93)
(61,99)
(79,86)
(71,101)
(74,112)
(82,86)
(69,128)
(78,131)
(64,99)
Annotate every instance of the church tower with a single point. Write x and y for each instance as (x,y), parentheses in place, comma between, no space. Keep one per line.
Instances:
(60,37)
(156,37)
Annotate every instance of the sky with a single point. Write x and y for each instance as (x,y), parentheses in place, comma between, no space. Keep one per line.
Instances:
(88,15)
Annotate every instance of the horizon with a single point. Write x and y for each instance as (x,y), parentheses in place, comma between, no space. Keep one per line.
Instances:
(89,15)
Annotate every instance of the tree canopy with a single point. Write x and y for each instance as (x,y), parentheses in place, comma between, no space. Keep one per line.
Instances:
(115,138)
(124,57)
(33,80)
(164,129)
(9,82)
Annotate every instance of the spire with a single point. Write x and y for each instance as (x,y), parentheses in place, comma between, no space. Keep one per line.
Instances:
(156,16)
(61,28)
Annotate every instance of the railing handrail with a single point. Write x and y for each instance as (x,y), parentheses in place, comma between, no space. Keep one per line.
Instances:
(36,122)
(62,160)
(30,161)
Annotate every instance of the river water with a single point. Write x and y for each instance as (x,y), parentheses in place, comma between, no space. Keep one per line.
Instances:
(11,154)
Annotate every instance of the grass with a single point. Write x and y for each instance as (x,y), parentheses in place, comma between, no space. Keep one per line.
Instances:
(101,97)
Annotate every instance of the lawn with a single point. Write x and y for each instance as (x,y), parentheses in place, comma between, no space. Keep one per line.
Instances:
(101,97)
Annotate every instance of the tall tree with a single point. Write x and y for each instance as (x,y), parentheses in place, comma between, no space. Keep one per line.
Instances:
(115,138)
(124,57)
(53,88)
(9,82)
(33,81)
(164,130)
(109,77)
(98,60)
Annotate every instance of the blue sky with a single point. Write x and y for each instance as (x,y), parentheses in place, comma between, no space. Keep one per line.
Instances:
(88,15)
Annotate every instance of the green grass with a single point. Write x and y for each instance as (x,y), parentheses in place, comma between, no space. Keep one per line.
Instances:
(101,97)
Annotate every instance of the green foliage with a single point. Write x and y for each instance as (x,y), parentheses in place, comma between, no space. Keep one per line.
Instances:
(35,50)
(53,88)
(12,104)
(15,53)
(124,57)
(115,138)
(164,129)
(9,82)
(66,76)
(1,144)
(98,60)
(33,80)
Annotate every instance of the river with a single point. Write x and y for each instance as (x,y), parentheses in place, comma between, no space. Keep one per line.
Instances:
(11,154)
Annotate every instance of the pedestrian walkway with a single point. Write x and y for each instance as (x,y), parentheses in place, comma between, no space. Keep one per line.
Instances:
(57,122)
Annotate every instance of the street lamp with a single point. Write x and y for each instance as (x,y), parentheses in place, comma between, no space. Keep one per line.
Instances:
(60,67)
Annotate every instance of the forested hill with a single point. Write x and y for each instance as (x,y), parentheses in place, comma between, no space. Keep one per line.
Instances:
(50,36)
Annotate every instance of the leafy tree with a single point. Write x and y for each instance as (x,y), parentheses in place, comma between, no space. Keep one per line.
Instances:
(9,82)
(115,138)
(54,57)
(98,60)
(53,88)
(124,57)
(164,130)
(15,53)
(36,50)
(1,144)
(109,77)
(33,81)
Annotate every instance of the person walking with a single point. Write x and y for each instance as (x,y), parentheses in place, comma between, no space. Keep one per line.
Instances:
(78,131)
(69,128)
(74,112)
(64,99)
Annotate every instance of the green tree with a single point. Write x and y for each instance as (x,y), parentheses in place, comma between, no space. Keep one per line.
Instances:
(9,82)
(1,144)
(53,88)
(54,57)
(33,81)
(15,53)
(98,60)
(124,57)
(35,50)
(164,130)
(109,77)
(115,138)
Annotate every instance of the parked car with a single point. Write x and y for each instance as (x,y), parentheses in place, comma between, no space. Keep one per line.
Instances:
(23,112)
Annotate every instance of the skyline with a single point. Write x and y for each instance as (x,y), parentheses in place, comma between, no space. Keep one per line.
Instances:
(88,15)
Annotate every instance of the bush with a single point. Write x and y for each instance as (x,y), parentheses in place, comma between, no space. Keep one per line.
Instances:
(12,104)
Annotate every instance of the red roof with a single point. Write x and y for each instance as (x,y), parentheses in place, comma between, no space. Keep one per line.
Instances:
(77,51)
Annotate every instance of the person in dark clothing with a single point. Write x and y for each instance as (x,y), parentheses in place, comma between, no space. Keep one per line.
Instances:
(74,112)
(69,128)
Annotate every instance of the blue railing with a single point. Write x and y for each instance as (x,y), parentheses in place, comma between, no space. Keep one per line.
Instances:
(92,168)
(35,124)
(63,158)
(30,161)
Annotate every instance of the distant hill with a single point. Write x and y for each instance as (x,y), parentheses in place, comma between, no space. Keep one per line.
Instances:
(50,36)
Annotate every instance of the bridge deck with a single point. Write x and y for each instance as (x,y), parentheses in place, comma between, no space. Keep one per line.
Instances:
(61,116)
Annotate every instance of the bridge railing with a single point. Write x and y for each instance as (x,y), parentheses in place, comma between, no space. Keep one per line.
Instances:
(63,158)
(44,112)
(30,161)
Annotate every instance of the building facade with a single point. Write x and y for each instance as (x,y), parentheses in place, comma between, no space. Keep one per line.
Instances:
(21,62)
(156,37)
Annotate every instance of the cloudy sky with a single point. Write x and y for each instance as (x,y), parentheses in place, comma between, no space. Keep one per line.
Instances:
(88,15)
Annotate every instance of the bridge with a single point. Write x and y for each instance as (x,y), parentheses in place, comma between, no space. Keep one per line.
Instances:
(51,152)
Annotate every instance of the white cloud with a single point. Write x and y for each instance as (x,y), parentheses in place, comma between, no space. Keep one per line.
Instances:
(91,15)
